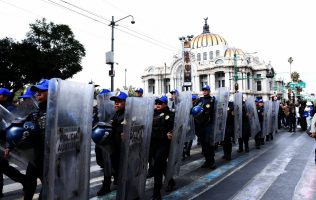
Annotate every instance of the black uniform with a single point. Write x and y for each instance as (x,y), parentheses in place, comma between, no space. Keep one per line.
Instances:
(36,169)
(205,130)
(229,132)
(163,121)
(244,140)
(258,136)
(5,168)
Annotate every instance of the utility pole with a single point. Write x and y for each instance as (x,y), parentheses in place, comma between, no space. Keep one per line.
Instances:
(110,55)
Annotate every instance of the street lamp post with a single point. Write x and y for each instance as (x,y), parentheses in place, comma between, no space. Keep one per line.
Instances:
(290,60)
(125,77)
(110,55)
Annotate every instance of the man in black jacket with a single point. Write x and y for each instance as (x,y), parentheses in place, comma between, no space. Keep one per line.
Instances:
(161,136)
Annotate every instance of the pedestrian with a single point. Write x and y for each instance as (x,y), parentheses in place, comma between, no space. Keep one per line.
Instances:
(115,141)
(292,117)
(161,136)
(207,102)
(5,168)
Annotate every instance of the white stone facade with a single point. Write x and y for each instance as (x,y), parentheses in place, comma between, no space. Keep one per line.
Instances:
(212,63)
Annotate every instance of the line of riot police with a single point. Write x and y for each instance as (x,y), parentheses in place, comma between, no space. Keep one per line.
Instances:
(130,134)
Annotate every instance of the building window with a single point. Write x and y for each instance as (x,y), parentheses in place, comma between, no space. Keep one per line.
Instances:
(219,84)
(204,56)
(211,55)
(198,57)
(248,81)
(259,88)
(223,83)
(217,53)
(203,81)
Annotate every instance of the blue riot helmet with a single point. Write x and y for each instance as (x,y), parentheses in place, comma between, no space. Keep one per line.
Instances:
(19,133)
(14,133)
(196,111)
(101,133)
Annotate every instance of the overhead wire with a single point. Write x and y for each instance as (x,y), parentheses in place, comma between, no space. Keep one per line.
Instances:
(154,41)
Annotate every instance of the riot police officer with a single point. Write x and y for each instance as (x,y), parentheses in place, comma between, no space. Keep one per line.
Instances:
(244,140)
(35,169)
(139,92)
(229,132)
(188,144)
(117,129)
(5,168)
(161,136)
(97,149)
(260,112)
(205,127)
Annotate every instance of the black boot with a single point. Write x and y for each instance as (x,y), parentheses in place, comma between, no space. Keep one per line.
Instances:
(105,188)
(240,144)
(171,185)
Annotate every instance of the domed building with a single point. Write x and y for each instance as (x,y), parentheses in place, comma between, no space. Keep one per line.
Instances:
(208,59)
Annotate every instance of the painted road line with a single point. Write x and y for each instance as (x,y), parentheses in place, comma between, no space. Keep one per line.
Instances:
(204,182)
(306,187)
(257,186)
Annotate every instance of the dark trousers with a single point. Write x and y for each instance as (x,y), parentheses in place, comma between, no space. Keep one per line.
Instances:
(243,141)
(227,148)
(292,123)
(159,151)
(32,173)
(11,172)
(207,142)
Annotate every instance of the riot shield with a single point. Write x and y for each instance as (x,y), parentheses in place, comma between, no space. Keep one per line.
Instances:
(221,104)
(135,147)
(237,116)
(274,116)
(106,109)
(180,128)
(190,135)
(67,140)
(252,116)
(6,117)
(266,118)
(106,112)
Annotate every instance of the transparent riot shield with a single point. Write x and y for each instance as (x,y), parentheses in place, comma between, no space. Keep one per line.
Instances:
(221,104)
(252,116)
(67,140)
(274,116)
(106,109)
(135,147)
(237,116)
(190,135)
(266,118)
(16,119)
(180,128)
(106,112)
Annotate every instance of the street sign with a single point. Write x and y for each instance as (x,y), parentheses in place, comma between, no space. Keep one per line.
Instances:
(293,85)
(302,84)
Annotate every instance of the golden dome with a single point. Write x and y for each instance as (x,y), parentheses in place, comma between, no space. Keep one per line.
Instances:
(207,38)
(229,53)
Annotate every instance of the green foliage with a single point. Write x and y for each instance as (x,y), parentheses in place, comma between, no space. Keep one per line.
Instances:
(48,51)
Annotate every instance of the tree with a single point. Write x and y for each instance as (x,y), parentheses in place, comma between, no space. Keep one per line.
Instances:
(49,50)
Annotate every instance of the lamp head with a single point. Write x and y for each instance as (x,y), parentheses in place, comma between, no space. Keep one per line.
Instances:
(132,22)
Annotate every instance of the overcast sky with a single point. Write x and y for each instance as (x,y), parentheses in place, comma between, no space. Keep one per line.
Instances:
(274,29)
